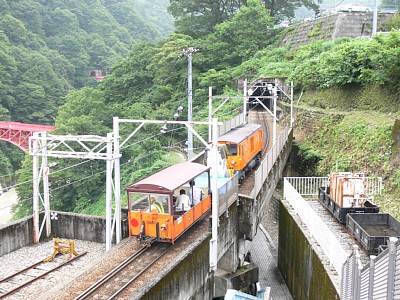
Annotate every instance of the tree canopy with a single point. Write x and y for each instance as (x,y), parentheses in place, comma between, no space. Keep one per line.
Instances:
(199,18)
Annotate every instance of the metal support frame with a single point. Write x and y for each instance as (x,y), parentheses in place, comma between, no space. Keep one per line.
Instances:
(245,101)
(371,277)
(375,18)
(275,93)
(188,52)
(291,105)
(40,173)
(391,267)
(215,202)
(44,146)
(214,183)
(190,105)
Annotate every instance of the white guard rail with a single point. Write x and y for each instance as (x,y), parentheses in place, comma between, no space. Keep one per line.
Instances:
(232,123)
(261,174)
(308,186)
(378,280)
(226,194)
(317,227)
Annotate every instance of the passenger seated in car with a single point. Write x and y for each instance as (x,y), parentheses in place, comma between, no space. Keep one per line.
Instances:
(183,201)
(156,205)
(195,193)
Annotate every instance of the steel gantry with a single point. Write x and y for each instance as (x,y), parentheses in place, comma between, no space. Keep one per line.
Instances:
(42,146)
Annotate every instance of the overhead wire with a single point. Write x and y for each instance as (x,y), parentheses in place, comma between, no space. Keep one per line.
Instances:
(92,175)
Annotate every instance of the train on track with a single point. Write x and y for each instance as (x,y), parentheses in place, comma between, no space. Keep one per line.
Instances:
(154,203)
(241,148)
(345,198)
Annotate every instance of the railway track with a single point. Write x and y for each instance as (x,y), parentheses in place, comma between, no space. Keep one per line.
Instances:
(118,280)
(261,118)
(11,284)
(339,229)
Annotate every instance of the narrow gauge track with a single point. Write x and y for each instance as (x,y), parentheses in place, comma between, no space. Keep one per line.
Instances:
(262,119)
(35,269)
(335,225)
(121,277)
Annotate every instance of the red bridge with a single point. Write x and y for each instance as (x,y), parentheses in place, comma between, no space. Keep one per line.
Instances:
(19,133)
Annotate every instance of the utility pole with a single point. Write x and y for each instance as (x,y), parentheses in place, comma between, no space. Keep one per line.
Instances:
(375,18)
(188,52)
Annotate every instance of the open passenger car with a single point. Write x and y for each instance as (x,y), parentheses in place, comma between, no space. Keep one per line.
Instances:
(166,224)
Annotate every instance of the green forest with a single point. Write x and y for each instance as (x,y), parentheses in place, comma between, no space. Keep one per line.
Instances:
(44,80)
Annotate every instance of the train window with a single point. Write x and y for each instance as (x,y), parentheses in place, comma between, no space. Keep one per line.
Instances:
(160,202)
(232,149)
(137,202)
(146,202)
(242,150)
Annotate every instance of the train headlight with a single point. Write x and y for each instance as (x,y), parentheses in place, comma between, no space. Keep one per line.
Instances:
(233,162)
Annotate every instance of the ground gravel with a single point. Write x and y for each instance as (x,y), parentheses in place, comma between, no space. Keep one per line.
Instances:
(44,288)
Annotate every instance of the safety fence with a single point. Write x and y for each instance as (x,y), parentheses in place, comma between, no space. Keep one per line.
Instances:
(316,226)
(261,174)
(232,123)
(379,279)
(308,186)
(228,193)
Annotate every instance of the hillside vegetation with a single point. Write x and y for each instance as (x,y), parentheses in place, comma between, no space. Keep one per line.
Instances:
(48,46)
(351,132)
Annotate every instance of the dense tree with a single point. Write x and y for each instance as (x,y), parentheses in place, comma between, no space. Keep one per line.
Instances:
(199,18)
(236,40)
(361,62)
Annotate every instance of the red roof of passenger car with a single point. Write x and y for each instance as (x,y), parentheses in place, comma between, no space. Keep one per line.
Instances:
(168,179)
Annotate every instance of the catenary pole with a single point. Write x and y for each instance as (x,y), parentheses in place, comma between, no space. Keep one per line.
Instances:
(190,108)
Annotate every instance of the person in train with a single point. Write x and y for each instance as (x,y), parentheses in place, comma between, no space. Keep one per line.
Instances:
(183,201)
(156,205)
(195,193)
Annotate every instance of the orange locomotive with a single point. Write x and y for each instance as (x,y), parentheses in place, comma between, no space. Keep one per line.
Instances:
(243,147)
(152,214)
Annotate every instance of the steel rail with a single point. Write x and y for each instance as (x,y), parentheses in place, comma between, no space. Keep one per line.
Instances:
(21,271)
(38,277)
(109,275)
(263,121)
(117,293)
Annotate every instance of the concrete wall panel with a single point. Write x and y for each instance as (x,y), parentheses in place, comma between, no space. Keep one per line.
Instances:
(188,278)
(299,263)
(16,235)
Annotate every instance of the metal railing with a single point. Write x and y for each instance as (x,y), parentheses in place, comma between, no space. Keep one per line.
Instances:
(308,186)
(261,174)
(316,226)
(380,279)
(226,193)
(232,123)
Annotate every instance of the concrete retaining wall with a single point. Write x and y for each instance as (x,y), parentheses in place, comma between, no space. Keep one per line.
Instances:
(16,235)
(68,226)
(298,261)
(187,278)
(343,24)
